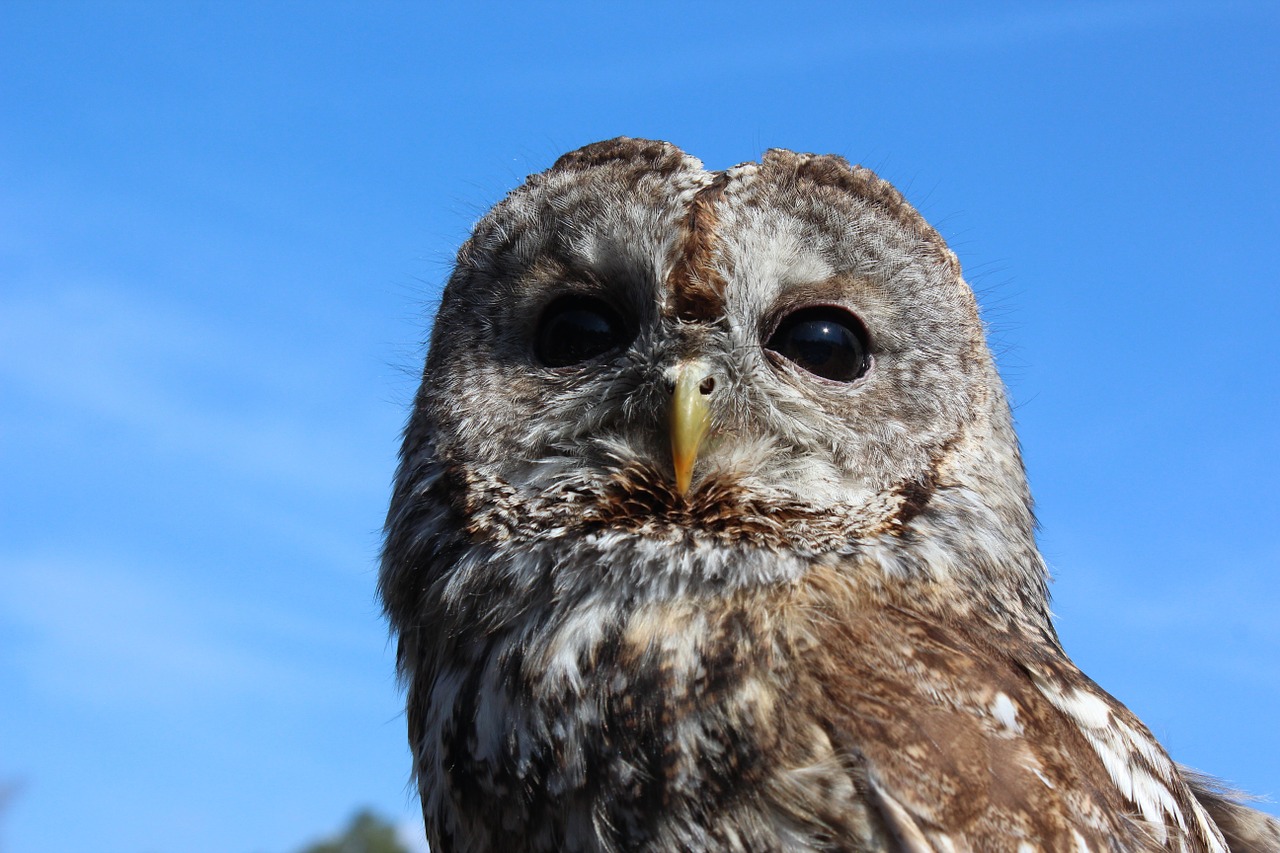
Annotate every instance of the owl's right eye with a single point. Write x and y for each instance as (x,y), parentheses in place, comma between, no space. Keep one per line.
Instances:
(574,329)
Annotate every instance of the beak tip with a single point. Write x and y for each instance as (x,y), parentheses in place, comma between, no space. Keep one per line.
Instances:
(684,478)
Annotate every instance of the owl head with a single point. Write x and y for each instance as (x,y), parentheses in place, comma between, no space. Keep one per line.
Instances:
(726,376)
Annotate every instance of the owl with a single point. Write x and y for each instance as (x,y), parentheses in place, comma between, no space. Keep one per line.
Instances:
(711,532)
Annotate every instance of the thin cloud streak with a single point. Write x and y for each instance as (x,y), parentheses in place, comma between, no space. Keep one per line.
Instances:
(1232,608)
(101,634)
(90,351)
(1019,27)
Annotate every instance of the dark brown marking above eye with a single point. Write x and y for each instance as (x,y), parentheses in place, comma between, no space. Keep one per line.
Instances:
(696,286)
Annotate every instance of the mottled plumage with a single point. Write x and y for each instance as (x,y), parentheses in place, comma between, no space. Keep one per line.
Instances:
(835,635)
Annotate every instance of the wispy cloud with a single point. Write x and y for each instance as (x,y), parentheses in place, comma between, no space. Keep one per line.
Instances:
(1221,622)
(821,39)
(184,384)
(97,633)
(1023,24)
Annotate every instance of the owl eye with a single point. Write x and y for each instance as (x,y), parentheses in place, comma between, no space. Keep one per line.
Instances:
(826,341)
(574,329)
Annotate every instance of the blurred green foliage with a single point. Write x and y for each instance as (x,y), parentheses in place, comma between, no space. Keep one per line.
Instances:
(367,833)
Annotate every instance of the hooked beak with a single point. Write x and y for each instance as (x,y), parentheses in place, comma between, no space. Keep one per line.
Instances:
(690,417)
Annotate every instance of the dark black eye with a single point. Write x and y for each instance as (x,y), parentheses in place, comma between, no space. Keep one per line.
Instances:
(826,341)
(575,329)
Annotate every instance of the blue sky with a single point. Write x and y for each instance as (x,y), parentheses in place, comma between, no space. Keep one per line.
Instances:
(222,230)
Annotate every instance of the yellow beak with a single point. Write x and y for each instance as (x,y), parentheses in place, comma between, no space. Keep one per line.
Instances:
(690,418)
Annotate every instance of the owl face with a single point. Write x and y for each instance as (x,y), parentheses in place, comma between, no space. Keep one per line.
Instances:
(781,356)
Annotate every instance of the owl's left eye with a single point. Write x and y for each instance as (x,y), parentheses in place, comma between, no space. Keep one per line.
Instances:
(574,329)
(824,340)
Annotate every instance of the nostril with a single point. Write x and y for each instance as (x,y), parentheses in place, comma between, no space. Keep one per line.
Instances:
(707,385)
